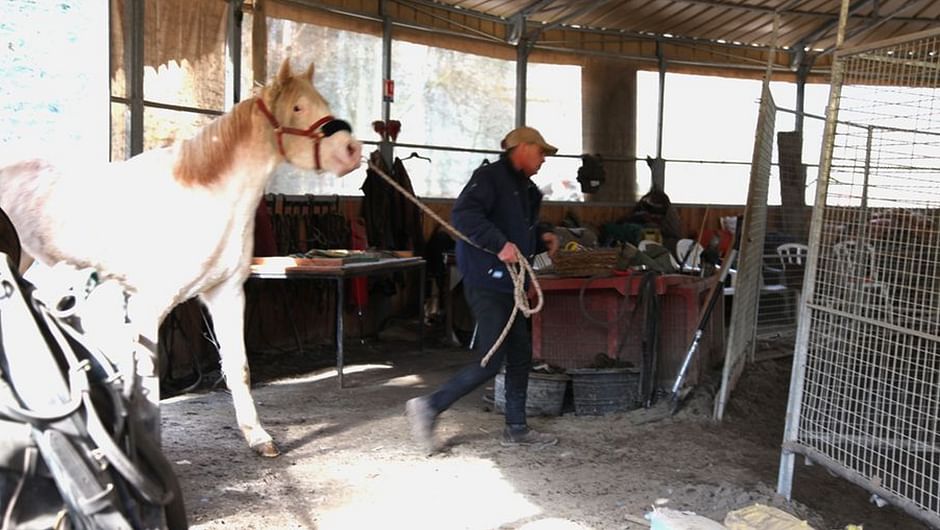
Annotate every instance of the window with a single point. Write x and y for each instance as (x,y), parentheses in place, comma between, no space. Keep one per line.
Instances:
(456,99)
(708,134)
(184,66)
(347,72)
(443,98)
(553,106)
(54,70)
(450,98)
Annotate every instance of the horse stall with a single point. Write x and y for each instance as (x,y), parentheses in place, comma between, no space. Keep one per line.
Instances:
(242,274)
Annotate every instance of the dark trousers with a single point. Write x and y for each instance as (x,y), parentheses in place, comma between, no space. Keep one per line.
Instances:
(491,310)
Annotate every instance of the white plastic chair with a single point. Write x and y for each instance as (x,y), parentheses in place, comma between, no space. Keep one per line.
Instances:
(792,254)
(858,272)
(793,259)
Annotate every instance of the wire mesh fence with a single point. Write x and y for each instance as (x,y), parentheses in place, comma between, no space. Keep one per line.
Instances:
(865,396)
(748,280)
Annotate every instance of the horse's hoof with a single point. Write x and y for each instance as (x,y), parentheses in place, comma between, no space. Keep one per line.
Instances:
(267,449)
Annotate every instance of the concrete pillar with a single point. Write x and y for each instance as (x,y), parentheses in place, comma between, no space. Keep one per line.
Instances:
(608,95)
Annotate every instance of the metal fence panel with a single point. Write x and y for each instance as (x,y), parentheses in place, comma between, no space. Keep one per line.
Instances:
(748,284)
(865,397)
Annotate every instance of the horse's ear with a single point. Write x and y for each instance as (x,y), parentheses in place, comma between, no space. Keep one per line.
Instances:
(283,75)
(309,73)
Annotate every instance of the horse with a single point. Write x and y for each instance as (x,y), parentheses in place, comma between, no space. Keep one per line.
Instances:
(177,222)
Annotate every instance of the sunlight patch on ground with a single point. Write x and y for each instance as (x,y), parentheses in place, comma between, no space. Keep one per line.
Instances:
(406,381)
(553,523)
(306,378)
(465,493)
(329,374)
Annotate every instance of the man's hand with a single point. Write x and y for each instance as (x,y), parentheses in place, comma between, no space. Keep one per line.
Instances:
(509,253)
(551,243)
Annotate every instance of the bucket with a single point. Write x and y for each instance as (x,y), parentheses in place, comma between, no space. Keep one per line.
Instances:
(599,391)
(545,394)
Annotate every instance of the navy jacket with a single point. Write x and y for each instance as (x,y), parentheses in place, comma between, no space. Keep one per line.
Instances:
(499,204)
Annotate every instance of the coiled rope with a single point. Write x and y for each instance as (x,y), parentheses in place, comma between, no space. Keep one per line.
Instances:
(517,271)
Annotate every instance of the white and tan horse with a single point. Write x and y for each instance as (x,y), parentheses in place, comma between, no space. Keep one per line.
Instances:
(178,222)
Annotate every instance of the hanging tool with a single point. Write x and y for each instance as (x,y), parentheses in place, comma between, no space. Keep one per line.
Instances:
(714,294)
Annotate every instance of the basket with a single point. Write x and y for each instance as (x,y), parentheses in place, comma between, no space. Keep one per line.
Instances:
(589,262)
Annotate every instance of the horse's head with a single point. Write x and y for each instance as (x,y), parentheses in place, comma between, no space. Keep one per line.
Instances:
(307,134)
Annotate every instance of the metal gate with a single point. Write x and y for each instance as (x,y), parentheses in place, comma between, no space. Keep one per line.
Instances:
(865,390)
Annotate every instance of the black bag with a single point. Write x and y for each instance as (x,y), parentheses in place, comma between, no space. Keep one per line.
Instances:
(73,450)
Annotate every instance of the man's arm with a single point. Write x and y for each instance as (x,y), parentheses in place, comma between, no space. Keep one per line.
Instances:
(471,214)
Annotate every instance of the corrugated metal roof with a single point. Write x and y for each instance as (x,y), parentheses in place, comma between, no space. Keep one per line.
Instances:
(695,35)
(801,23)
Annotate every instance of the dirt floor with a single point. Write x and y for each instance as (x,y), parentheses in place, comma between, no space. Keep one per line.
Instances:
(349,462)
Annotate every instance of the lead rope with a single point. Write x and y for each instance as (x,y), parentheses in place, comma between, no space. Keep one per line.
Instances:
(517,271)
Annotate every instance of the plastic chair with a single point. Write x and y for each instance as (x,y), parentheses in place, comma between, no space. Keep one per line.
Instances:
(858,273)
(793,259)
(792,254)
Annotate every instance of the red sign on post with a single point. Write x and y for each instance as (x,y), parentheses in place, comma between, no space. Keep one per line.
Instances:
(388,90)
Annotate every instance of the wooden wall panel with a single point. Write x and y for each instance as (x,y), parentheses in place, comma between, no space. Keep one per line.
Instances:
(593,215)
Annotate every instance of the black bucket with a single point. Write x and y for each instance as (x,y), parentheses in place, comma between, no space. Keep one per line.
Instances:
(545,394)
(599,391)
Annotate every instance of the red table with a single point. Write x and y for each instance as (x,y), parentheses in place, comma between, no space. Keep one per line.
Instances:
(583,317)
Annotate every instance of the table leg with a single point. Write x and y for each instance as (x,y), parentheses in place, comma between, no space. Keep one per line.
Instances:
(339,330)
(421,277)
(448,294)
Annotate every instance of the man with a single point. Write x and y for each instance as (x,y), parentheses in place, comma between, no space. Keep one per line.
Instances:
(498,210)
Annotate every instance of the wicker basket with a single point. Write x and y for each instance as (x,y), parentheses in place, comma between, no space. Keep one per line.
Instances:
(591,262)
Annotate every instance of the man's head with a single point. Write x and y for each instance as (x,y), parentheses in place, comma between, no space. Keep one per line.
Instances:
(527,149)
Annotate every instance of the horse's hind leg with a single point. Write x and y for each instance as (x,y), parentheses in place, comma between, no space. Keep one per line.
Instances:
(226,304)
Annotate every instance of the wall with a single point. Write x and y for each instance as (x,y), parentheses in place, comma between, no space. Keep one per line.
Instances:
(280,314)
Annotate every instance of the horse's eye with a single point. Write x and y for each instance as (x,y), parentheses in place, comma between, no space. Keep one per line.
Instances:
(296,108)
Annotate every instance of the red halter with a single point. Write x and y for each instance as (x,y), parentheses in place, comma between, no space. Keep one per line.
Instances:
(315,131)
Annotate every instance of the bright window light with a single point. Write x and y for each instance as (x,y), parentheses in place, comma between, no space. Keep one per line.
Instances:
(54,68)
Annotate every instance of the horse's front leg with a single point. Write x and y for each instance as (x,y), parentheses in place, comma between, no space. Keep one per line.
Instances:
(226,304)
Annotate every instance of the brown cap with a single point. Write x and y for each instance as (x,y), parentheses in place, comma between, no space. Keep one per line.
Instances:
(527,135)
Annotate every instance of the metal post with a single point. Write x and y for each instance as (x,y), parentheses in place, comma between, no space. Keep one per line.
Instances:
(659,166)
(385,146)
(800,353)
(339,330)
(522,67)
(801,74)
(134,73)
(233,66)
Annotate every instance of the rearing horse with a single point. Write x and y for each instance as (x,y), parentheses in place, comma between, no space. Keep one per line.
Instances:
(178,222)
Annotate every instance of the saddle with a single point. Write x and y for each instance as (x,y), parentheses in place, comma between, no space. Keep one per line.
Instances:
(74,452)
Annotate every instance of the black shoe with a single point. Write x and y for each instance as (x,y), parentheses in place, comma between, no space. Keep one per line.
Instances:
(527,436)
(422,417)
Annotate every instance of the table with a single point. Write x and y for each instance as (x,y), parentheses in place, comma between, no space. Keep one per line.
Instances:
(564,336)
(340,273)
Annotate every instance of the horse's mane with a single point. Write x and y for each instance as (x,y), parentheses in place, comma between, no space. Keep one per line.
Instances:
(209,154)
